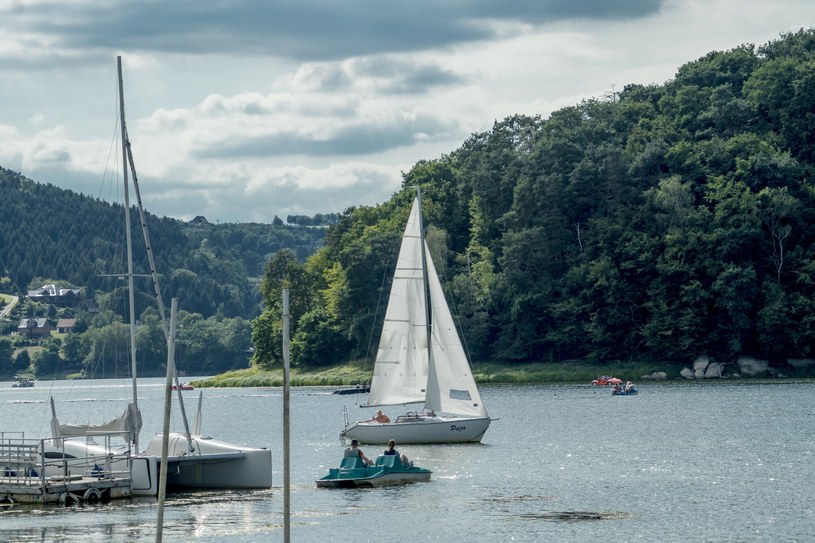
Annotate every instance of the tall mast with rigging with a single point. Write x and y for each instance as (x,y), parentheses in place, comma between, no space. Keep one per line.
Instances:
(131,295)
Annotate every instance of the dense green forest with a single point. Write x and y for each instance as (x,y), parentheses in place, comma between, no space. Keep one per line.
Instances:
(658,223)
(78,241)
(54,236)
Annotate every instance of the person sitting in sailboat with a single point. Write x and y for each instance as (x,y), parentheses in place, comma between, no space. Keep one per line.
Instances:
(379,417)
(354,450)
(391,451)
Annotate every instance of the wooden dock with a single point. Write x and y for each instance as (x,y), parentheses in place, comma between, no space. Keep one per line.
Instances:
(32,473)
(69,491)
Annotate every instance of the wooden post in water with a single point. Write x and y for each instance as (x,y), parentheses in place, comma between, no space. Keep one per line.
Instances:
(165,436)
(286,436)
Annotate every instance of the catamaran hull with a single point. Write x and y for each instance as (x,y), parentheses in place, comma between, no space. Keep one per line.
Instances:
(433,430)
(213,464)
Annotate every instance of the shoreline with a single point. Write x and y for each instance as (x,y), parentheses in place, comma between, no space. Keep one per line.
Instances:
(565,373)
(486,373)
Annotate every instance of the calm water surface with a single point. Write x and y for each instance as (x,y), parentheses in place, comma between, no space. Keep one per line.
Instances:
(728,461)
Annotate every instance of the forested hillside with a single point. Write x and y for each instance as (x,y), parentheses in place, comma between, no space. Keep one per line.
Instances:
(56,235)
(661,222)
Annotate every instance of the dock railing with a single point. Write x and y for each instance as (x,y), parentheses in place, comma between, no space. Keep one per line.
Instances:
(22,461)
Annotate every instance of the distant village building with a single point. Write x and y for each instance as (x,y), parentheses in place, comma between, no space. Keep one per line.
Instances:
(65,325)
(58,296)
(34,328)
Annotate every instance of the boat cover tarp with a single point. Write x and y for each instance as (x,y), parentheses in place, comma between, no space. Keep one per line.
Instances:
(130,421)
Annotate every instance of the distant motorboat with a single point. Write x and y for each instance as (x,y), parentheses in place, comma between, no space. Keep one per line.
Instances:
(23,383)
(388,470)
(359,389)
(183,386)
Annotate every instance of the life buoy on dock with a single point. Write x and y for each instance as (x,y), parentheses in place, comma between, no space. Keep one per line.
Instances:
(92,495)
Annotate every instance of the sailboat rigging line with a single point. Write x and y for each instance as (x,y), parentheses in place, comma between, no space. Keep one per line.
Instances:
(127,158)
(152,263)
(423,250)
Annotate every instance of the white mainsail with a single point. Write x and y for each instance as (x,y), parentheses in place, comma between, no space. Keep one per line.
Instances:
(400,370)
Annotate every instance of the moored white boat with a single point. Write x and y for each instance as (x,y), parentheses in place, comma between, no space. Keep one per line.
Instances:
(194,461)
(421,428)
(206,463)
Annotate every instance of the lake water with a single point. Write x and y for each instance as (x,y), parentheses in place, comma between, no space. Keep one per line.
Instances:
(725,461)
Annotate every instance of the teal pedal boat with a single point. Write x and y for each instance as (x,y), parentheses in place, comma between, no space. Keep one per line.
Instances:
(388,470)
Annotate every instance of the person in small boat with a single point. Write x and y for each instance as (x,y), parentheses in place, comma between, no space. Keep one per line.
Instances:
(616,389)
(354,450)
(629,386)
(391,451)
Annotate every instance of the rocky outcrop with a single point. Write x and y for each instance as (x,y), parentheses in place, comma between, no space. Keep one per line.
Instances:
(699,366)
(703,368)
(748,366)
(713,371)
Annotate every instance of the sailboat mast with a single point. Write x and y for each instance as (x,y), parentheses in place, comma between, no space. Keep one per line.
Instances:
(127,155)
(425,287)
(131,295)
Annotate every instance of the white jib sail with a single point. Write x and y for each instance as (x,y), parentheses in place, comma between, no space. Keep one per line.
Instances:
(451,387)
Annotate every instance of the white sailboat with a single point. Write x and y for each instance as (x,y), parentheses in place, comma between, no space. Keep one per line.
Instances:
(421,359)
(195,461)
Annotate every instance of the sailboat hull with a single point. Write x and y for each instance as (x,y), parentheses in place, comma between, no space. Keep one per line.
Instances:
(436,429)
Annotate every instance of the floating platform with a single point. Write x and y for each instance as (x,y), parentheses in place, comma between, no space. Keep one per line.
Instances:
(58,490)
(33,472)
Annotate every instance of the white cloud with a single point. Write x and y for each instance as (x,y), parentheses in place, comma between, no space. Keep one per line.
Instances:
(250,109)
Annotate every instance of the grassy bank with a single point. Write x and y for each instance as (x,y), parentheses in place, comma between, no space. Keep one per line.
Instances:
(352,374)
(335,376)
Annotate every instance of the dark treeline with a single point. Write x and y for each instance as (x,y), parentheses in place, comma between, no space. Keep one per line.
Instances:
(659,223)
(77,241)
(320,219)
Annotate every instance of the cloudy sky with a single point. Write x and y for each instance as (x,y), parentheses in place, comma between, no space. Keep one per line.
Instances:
(240,110)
